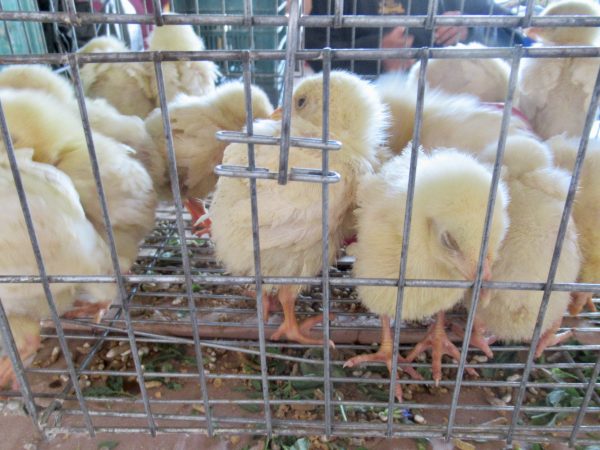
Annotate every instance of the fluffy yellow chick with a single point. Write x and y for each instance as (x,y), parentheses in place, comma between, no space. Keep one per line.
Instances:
(458,121)
(586,211)
(194,122)
(186,77)
(69,245)
(555,93)
(104,118)
(126,86)
(484,78)
(450,198)
(289,216)
(537,192)
(36,120)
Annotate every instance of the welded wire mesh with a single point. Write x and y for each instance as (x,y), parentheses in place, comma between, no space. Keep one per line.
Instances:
(188,352)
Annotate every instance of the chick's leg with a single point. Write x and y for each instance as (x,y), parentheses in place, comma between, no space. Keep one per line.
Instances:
(384,354)
(579,300)
(269,302)
(290,327)
(201,223)
(26,333)
(550,338)
(440,345)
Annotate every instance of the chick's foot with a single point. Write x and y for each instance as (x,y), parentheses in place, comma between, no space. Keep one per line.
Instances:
(550,338)
(384,354)
(201,223)
(579,300)
(437,340)
(300,333)
(478,338)
(290,327)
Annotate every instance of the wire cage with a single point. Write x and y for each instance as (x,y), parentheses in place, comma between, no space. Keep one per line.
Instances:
(186,349)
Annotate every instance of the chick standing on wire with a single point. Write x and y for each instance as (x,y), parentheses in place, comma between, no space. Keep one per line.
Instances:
(53,130)
(586,211)
(290,216)
(132,88)
(104,118)
(450,198)
(69,245)
(538,192)
(194,122)
(555,93)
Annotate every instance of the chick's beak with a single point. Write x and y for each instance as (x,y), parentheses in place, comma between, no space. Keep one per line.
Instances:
(277,114)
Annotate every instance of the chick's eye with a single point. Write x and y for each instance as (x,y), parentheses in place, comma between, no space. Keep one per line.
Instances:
(301,102)
(449,242)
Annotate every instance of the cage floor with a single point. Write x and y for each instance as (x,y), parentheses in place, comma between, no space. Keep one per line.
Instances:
(297,403)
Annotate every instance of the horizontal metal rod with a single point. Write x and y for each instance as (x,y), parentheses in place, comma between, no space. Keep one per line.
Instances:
(243,138)
(295,174)
(314,281)
(278,55)
(350,21)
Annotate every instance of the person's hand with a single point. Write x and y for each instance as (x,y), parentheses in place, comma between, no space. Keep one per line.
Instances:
(446,36)
(397,38)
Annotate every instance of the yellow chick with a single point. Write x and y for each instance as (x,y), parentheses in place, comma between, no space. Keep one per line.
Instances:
(537,192)
(185,77)
(586,211)
(104,118)
(458,121)
(484,78)
(450,198)
(69,245)
(289,216)
(194,122)
(555,93)
(36,120)
(126,86)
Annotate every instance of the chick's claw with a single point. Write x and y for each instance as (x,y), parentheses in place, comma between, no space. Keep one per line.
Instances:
(478,338)
(550,339)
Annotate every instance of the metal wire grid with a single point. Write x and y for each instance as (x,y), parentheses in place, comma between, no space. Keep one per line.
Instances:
(123,327)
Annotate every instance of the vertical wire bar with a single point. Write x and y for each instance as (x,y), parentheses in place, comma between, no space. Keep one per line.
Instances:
(248,23)
(424,57)
(380,37)
(158,18)
(325,236)
(55,28)
(338,11)
(185,257)
(506,117)
(586,401)
(256,245)
(528,13)
(72,10)
(430,19)
(488,30)
(74,64)
(353,34)
(288,86)
(17,364)
(566,216)
(42,270)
